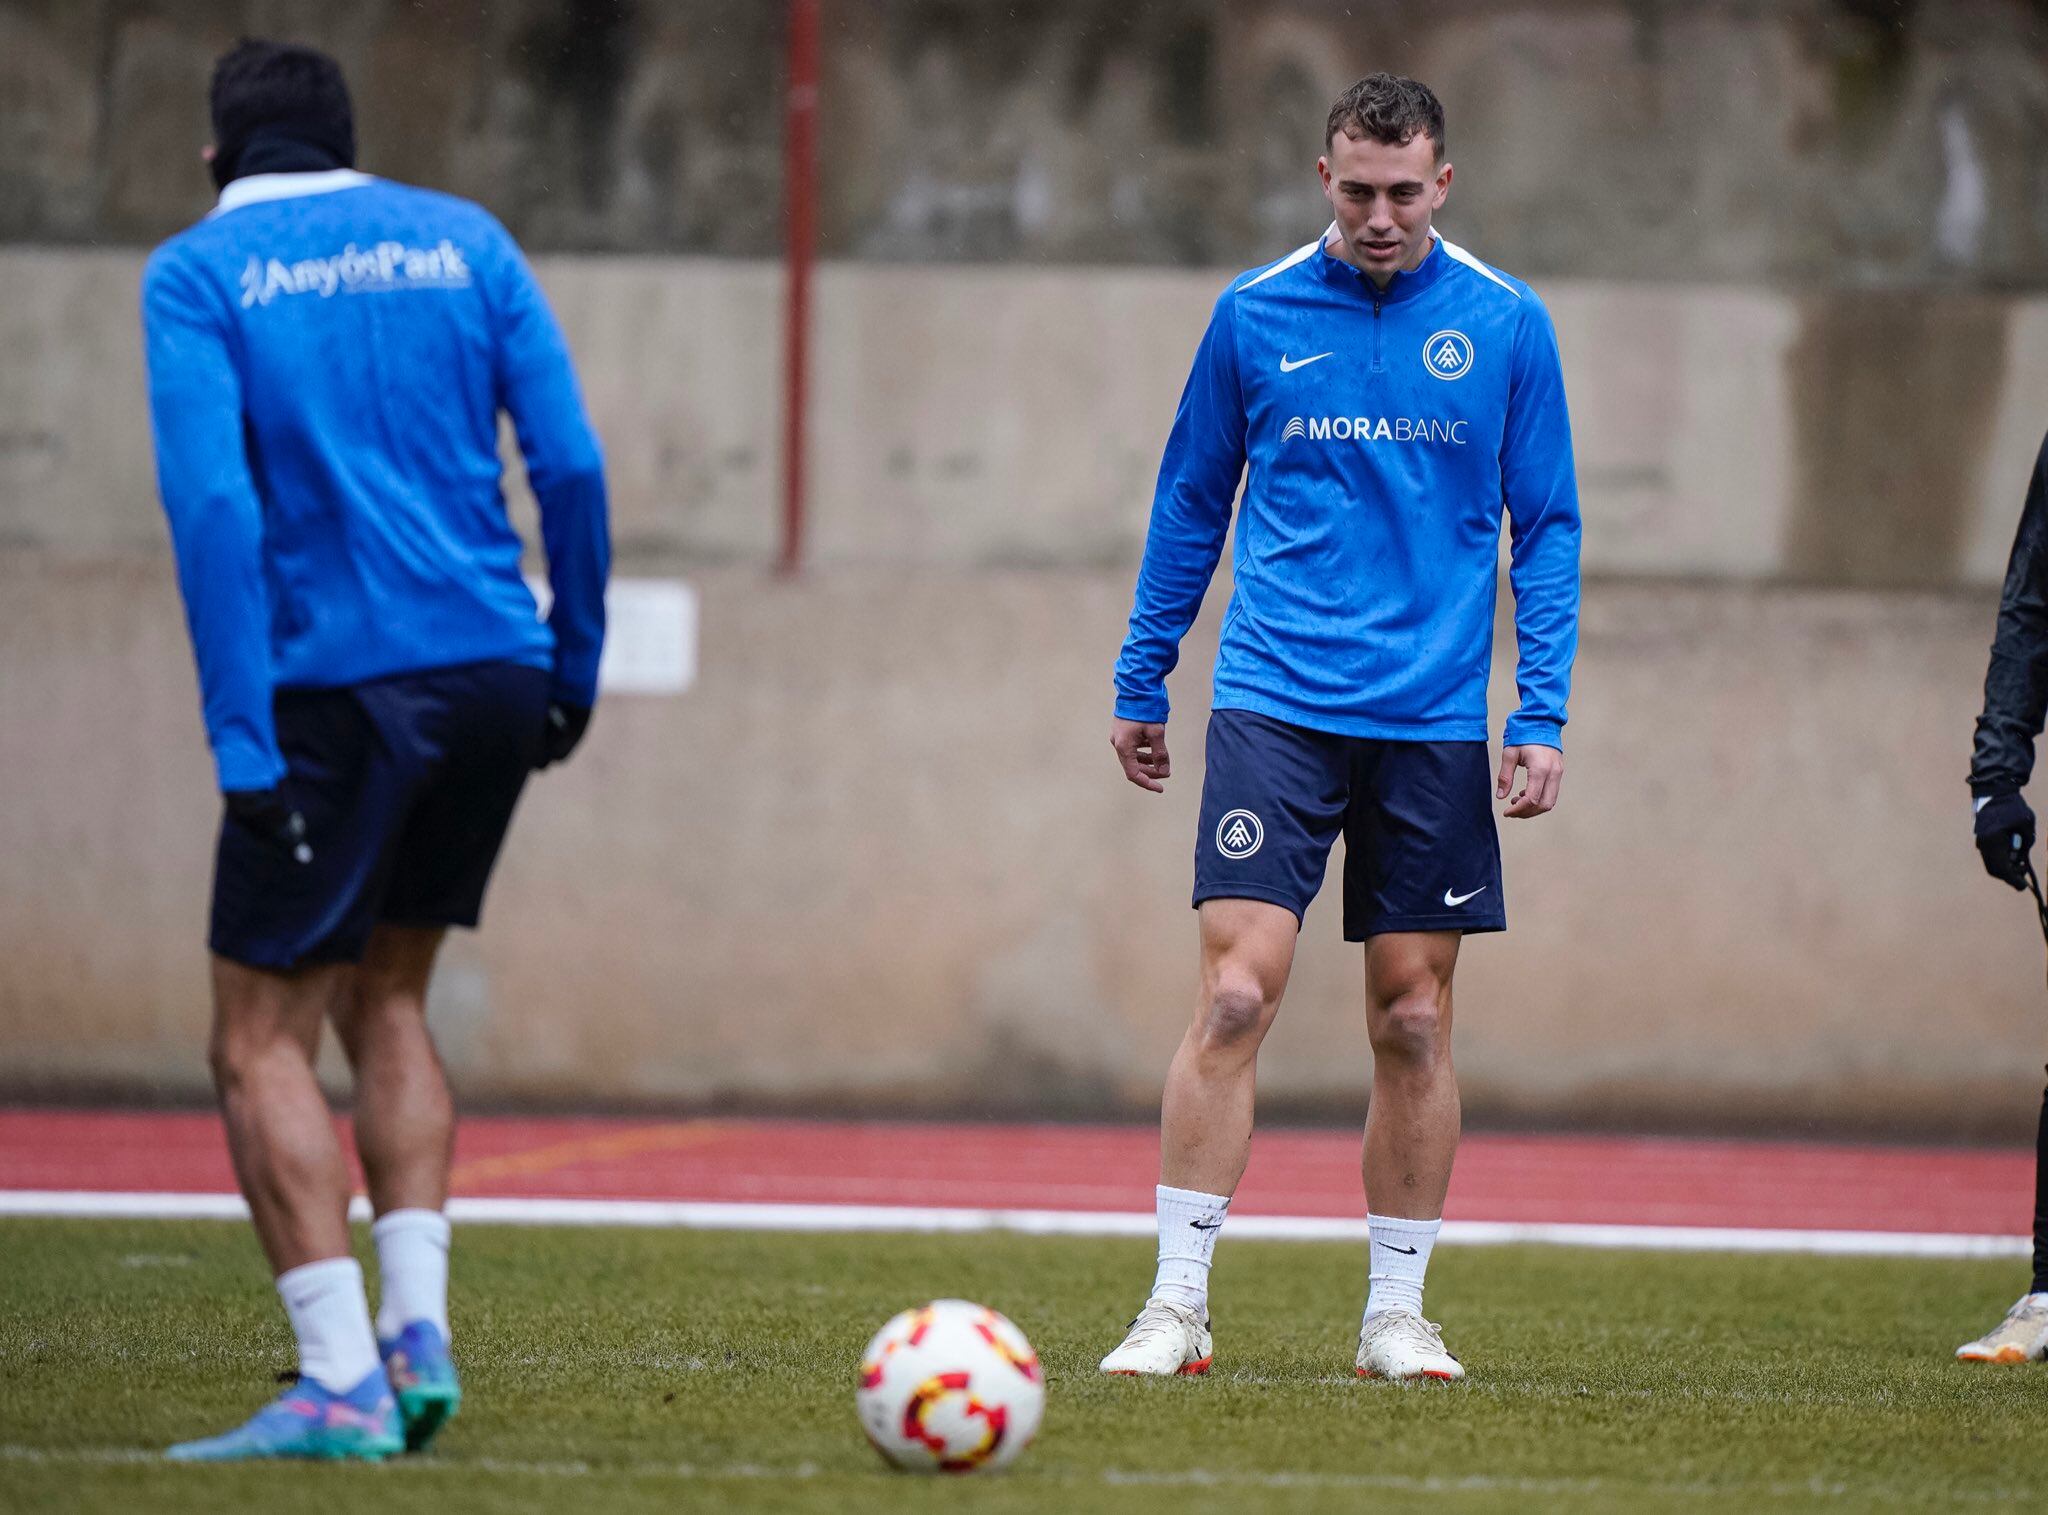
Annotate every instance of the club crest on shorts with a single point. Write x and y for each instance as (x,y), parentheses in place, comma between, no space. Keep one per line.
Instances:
(1448,354)
(1238,834)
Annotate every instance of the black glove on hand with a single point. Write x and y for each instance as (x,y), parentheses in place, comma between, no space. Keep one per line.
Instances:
(271,816)
(2005,835)
(565,728)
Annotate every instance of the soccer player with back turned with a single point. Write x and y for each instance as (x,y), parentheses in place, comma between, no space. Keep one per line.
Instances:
(2015,703)
(1390,394)
(328,356)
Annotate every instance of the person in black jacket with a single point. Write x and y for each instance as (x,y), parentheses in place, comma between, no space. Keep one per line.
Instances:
(2015,703)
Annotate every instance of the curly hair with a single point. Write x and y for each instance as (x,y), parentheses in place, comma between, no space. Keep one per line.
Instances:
(1388,109)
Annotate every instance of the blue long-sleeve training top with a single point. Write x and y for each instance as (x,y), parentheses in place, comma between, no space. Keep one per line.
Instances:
(328,354)
(1384,431)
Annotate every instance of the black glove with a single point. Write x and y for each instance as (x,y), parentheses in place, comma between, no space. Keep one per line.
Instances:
(565,728)
(271,816)
(2005,835)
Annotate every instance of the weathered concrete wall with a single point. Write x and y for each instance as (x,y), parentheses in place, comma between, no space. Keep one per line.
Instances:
(1831,142)
(881,856)
(970,418)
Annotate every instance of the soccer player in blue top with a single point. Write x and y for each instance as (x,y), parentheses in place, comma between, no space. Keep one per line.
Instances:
(1384,395)
(328,355)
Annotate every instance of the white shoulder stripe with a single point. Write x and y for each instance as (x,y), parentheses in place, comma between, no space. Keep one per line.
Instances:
(1298,255)
(1476,266)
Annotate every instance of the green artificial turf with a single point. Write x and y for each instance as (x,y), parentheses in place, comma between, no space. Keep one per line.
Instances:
(616,1370)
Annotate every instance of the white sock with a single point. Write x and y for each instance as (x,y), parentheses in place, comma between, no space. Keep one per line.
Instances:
(1400,1256)
(1188,1223)
(412,1267)
(330,1315)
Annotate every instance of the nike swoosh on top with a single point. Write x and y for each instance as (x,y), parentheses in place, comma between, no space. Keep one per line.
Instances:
(1392,1248)
(1459,899)
(1287,366)
(1205,1225)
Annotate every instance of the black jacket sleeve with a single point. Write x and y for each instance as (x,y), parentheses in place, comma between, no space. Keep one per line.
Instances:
(2016,687)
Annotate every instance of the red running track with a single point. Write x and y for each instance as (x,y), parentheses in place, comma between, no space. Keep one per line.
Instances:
(1652,1181)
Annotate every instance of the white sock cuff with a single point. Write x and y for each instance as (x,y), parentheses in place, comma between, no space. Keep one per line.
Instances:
(1401,1225)
(314,1278)
(426,1223)
(1193,1199)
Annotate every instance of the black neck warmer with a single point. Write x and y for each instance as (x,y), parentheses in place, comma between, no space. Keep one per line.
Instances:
(275,150)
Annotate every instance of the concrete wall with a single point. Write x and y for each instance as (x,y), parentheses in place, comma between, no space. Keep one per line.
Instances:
(1829,142)
(1009,418)
(879,855)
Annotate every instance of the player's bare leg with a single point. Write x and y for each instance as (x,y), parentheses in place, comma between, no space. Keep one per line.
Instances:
(405,1133)
(404,1114)
(266,1034)
(1412,1125)
(1411,1140)
(1205,1122)
(1205,1127)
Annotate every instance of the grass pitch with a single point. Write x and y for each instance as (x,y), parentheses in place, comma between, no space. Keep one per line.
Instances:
(664,1370)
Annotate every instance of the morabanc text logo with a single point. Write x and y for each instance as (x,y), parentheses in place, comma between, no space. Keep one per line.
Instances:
(1377,429)
(354,270)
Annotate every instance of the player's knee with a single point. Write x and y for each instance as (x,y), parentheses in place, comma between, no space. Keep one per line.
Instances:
(225,1060)
(236,1054)
(1234,1013)
(1412,1027)
(376,1012)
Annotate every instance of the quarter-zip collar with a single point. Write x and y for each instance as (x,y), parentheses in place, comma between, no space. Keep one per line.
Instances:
(1403,286)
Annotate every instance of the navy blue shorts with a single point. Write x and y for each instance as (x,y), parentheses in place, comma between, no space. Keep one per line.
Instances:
(407,785)
(1420,850)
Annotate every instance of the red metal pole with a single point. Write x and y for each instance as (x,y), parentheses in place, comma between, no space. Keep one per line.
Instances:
(800,143)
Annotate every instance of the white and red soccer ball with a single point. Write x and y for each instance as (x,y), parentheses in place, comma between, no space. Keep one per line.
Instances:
(950,1387)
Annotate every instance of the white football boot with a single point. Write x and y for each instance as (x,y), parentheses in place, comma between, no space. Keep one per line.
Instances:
(1399,1345)
(1165,1339)
(2021,1337)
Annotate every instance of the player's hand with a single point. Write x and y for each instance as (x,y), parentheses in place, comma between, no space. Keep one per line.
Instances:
(1141,748)
(565,727)
(271,816)
(2005,835)
(1545,769)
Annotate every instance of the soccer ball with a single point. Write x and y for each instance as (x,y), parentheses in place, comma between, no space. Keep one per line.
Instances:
(950,1387)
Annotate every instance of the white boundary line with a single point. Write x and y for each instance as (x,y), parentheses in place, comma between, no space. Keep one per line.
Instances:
(703,1215)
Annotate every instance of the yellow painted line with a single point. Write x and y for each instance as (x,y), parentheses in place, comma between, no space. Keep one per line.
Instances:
(558,1155)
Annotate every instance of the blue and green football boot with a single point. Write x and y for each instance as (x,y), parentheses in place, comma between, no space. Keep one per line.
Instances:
(423,1377)
(311,1421)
